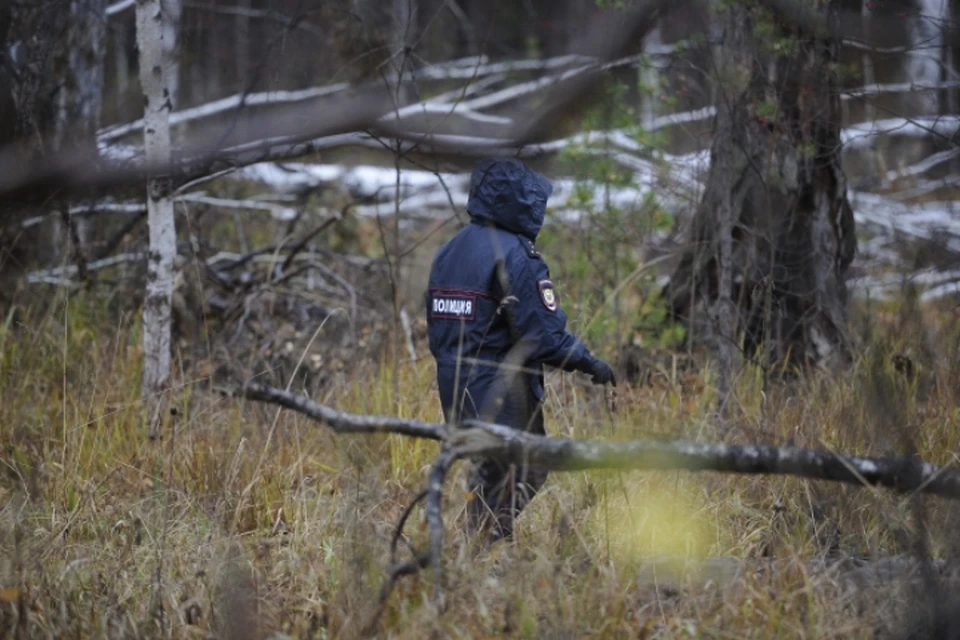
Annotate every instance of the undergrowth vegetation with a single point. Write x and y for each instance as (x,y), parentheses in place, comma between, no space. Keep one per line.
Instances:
(246,521)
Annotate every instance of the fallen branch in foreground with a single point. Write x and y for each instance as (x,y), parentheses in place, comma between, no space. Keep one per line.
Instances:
(480,439)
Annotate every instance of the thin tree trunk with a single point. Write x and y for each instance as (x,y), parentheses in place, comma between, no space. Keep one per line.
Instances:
(56,83)
(723,330)
(154,68)
(775,166)
(172,10)
(404,17)
(869,111)
(38,28)
(80,98)
(649,77)
(948,54)
(922,66)
(243,42)
(8,108)
(404,24)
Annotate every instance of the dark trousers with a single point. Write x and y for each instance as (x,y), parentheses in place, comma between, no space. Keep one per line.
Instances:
(501,491)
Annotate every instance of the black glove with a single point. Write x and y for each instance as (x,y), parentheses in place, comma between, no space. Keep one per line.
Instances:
(602,372)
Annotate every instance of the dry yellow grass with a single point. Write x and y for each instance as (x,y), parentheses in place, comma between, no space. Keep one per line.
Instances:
(249,522)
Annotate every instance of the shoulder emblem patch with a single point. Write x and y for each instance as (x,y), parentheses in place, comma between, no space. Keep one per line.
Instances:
(547,294)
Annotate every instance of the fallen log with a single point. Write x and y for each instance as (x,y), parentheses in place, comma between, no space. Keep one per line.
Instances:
(482,439)
(472,439)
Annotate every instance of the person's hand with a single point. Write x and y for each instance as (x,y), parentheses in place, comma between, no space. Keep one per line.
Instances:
(602,373)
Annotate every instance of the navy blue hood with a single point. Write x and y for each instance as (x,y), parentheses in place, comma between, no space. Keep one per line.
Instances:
(509,194)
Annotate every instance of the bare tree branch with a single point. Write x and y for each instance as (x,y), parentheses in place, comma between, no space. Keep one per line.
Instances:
(61,275)
(357,109)
(339,113)
(605,39)
(342,422)
(225,105)
(479,439)
(473,439)
(438,474)
(120,7)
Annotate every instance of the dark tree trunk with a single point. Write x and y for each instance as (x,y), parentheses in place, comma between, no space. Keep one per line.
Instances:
(37,31)
(80,69)
(55,78)
(80,66)
(34,35)
(773,234)
(8,108)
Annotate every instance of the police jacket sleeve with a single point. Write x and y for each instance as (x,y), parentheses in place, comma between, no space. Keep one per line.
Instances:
(536,318)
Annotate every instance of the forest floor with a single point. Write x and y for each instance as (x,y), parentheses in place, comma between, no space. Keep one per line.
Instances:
(246,521)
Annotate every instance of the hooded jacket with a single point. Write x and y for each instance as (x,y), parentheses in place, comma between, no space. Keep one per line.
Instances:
(493,316)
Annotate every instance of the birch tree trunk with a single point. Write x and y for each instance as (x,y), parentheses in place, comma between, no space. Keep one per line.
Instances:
(649,75)
(775,168)
(154,69)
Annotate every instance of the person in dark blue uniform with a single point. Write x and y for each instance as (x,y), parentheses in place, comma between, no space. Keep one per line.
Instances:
(494,320)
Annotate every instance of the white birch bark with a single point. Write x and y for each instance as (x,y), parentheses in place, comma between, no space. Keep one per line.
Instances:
(649,78)
(154,68)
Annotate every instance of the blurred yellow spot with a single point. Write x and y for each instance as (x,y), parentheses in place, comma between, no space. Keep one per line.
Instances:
(639,520)
(9,595)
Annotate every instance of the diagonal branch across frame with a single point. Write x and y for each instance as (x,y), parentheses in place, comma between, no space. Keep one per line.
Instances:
(472,439)
(482,439)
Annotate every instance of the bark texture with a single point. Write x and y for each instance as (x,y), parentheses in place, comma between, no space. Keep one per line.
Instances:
(8,108)
(775,200)
(51,87)
(37,31)
(80,65)
(154,69)
(81,96)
